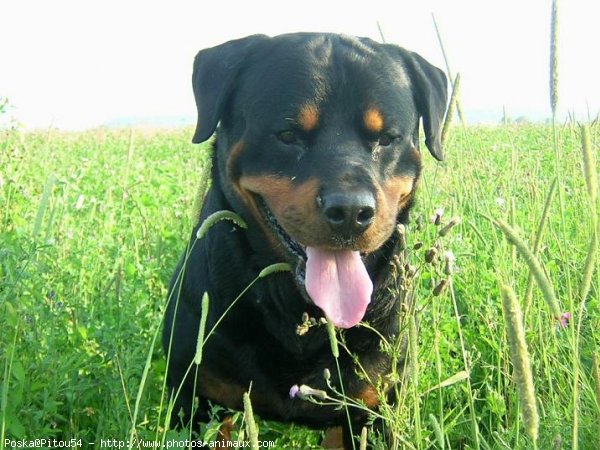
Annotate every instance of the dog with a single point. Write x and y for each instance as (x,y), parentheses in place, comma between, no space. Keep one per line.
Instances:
(317,150)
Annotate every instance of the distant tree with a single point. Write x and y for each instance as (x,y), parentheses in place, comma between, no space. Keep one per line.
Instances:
(522,120)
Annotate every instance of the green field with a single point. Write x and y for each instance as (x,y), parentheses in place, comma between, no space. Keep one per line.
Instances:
(92,225)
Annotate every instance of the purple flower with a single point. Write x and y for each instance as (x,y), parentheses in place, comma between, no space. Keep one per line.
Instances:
(564,320)
(306,392)
(294,391)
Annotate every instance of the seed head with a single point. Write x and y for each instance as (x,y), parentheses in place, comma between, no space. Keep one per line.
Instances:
(534,265)
(451,224)
(554,57)
(401,230)
(430,255)
(251,427)
(519,357)
(436,219)
(440,287)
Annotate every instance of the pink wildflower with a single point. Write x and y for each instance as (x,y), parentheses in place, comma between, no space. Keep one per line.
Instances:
(564,320)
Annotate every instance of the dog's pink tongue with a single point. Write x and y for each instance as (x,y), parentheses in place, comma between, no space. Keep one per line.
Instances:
(338,283)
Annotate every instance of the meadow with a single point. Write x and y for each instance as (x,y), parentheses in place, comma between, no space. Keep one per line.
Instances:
(92,225)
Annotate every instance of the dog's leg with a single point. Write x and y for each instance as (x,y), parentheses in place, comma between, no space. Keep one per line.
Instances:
(351,441)
(334,438)
(225,430)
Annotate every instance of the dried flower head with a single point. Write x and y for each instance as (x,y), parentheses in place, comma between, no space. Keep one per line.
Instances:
(440,287)
(431,254)
(401,230)
(436,219)
(449,259)
(451,224)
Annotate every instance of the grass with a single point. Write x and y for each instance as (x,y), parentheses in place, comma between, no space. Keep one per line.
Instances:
(92,225)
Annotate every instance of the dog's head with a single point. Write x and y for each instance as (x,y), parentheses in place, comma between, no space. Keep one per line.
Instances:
(318,142)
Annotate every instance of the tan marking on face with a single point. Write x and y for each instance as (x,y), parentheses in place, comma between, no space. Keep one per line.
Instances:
(308,117)
(294,206)
(398,189)
(295,209)
(415,158)
(291,204)
(373,120)
(391,198)
(233,174)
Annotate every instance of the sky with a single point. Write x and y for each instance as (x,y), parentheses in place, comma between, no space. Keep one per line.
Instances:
(79,64)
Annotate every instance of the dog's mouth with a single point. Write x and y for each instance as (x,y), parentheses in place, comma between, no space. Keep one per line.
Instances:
(292,246)
(336,281)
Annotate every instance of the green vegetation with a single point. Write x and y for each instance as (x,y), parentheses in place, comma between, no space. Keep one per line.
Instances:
(92,225)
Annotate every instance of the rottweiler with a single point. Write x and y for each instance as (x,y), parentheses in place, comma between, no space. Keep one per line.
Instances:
(317,150)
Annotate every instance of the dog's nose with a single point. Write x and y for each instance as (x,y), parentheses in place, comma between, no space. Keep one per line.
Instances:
(348,213)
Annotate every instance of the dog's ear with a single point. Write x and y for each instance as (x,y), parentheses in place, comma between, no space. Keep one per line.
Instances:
(430,94)
(431,97)
(215,70)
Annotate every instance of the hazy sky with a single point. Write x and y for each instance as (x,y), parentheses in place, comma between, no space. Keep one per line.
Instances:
(77,64)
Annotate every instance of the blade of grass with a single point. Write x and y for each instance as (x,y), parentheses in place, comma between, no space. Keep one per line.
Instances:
(450,112)
(538,243)
(138,399)
(43,206)
(336,354)
(8,362)
(448,71)
(467,366)
(413,354)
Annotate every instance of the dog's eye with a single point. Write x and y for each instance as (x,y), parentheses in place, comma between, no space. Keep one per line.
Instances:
(287,136)
(385,140)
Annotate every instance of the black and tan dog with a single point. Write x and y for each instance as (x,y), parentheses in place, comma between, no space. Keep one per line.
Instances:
(317,150)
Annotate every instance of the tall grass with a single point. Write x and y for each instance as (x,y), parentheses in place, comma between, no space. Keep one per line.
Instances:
(88,298)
